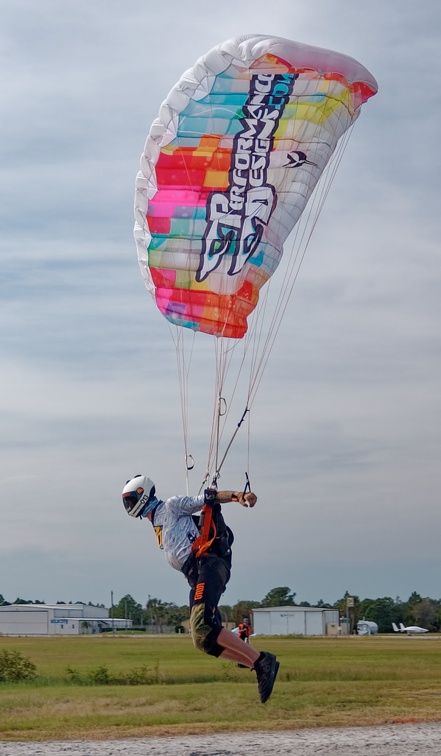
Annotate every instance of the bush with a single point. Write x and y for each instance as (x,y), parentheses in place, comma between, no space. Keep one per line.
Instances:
(142,676)
(98,676)
(15,667)
(75,676)
(101,676)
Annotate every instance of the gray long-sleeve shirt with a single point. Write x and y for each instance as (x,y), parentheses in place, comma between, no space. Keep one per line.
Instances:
(175,528)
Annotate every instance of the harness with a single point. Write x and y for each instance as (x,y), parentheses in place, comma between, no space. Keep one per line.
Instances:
(206,525)
(214,535)
(215,538)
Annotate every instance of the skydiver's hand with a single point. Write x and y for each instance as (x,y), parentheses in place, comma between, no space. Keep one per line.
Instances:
(247,500)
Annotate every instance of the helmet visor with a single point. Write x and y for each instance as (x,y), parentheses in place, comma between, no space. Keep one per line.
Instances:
(134,501)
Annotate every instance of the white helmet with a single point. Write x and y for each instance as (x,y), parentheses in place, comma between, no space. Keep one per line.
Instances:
(139,496)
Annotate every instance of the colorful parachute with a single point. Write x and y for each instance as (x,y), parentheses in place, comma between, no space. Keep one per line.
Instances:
(228,168)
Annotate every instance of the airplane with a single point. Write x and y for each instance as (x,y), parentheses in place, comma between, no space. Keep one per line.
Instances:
(410,630)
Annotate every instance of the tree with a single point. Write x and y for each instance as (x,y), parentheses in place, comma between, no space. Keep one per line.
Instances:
(243,609)
(128,608)
(322,605)
(162,613)
(409,607)
(341,604)
(279,597)
(424,614)
(226,612)
(382,611)
(437,617)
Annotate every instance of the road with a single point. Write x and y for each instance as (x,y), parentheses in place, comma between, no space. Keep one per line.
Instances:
(392,740)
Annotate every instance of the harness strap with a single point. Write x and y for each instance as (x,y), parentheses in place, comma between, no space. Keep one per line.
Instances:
(207,526)
(207,533)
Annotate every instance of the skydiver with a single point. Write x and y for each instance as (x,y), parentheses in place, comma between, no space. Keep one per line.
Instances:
(204,557)
(244,630)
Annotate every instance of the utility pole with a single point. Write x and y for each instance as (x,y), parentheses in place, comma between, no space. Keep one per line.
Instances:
(111,603)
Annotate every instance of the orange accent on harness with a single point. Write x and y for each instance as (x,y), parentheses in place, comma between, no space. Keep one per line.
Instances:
(207,535)
(199,592)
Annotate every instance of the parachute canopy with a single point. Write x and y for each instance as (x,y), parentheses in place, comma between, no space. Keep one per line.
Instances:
(228,168)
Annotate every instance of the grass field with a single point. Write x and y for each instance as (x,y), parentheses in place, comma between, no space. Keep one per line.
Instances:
(322,682)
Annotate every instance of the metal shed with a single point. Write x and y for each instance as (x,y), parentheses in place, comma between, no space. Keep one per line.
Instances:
(56,619)
(295,620)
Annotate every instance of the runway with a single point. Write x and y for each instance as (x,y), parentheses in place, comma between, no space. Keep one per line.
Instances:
(391,740)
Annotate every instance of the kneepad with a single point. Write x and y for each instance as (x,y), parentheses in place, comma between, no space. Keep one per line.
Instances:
(205,630)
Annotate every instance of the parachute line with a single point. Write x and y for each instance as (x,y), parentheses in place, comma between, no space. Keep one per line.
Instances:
(301,239)
(236,169)
(260,338)
(299,248)
(183,368)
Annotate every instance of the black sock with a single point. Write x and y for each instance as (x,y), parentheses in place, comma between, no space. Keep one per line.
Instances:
(261,658)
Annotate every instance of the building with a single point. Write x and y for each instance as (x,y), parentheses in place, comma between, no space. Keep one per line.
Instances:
(295,620)
(57,619)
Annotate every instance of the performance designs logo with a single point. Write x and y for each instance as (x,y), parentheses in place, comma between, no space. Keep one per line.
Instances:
(236,217)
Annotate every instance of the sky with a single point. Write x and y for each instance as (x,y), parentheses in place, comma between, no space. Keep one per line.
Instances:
(345,436)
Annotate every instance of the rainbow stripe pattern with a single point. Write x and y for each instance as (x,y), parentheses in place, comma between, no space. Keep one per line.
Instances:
(228,168)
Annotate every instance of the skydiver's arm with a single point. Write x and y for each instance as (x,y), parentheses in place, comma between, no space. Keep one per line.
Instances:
(185,505)
(246,500)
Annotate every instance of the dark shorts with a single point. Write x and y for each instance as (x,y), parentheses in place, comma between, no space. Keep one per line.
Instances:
(208,577)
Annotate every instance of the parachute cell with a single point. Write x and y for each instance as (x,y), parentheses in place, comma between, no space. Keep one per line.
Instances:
(228,168)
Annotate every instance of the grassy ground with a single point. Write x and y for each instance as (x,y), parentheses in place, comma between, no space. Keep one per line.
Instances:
(322,682)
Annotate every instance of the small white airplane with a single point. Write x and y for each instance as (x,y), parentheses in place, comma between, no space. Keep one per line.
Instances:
(410,630)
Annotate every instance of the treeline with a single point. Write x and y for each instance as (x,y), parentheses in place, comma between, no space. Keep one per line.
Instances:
(3,602)
(425,612)
(417,610)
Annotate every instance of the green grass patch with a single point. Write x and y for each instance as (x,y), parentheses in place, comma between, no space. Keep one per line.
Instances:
(137,686)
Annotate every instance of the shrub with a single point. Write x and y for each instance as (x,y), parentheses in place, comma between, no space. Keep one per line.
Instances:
(15,667)
(142,676)
(75,676)
(100,676)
